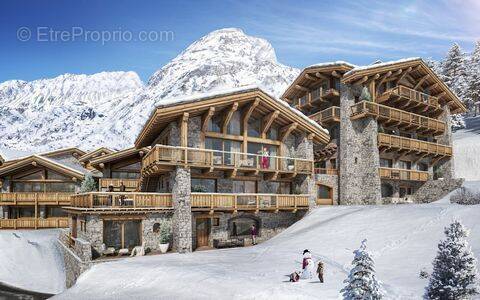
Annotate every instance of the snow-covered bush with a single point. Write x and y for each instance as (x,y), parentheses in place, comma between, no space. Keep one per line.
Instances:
(165,231)
(88,184)
(361,282)
(423,274)
(454,273)
(458,122)
(465,196)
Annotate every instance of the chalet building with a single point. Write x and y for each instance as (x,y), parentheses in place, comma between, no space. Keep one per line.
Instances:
(34,187)
(390,133)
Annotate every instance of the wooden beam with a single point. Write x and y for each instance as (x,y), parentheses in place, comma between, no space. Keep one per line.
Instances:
(228,116)
(206,118)
(336,74)
(321,76)
(382,79)
(302,88)
(419,83)
(433,86)
(440,95)
(310,77)
(184,130)
(404,72)
(267,122)
(287,130)
(362,80)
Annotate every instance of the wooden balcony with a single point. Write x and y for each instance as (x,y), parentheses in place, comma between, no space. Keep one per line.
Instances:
(326,116)
(326,171)
(160,156)
(27,198)
(248,202)
(389,116)
(141,202)
(387,142)
(130,184)
(316,97)
(403,174)
(33,223)
(411,100)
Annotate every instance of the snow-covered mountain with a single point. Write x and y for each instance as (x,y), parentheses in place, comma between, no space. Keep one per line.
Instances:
(109,108)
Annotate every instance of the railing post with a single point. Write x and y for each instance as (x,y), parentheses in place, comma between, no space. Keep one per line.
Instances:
(91,201)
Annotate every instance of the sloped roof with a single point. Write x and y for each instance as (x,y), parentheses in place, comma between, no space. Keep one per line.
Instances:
(93,154)
(118,155)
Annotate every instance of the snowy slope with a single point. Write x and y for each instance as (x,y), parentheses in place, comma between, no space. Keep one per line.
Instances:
(109,108)
(31,260)
(402,239)
(466,146)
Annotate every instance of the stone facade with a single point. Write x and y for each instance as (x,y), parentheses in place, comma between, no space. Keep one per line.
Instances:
(77,257)
(182,210)
(434,190)
(151,238)
(358,154)
(446,167)
(92,231)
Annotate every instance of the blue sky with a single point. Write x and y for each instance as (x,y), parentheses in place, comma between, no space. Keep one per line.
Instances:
(302,32)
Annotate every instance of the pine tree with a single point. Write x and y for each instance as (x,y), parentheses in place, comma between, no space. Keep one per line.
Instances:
(454,273)
(473,78)
(88,184)
(454,73)
(361,283)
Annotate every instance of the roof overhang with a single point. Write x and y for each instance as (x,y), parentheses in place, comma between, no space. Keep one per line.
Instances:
(355,74)
(36,160)
(119,155)
(164,114)
(93,154)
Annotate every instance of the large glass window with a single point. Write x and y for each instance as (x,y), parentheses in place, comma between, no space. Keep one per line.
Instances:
(386,190)
(56,176)
(422,167)
(254,127)
(241,226)
(324,192)
(121,234)
(244,187)
(56,212)
(403,164)
(386,163)
(215,123)
(125,175)
(273,133)
(227,147)
(39,175)
(65,187)
(203,185)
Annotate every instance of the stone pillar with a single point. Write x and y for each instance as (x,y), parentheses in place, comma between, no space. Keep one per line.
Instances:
(358,155)
(306,183)
(182,210)
(446,166)
(42,211)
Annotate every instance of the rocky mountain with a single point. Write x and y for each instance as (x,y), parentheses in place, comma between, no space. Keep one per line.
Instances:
(109,108)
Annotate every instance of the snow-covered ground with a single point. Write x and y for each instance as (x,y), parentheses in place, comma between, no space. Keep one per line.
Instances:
(31,260)
(402,239)
(466,146)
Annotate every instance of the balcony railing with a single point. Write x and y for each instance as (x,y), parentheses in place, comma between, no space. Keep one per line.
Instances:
(403,143)
(206,158)
(331,114)
(386,114)
(403,174)
(326,171)
(33,223)
(122,200)
(27,198)
(130,184)
(411,95)
(315,97)
(199,201)
(215,201)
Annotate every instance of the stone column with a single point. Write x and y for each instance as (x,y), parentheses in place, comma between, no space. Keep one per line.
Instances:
(182,210)
(306,183)
(358,155)
(446,166)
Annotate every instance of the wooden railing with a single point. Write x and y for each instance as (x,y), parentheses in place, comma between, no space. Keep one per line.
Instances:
(411,94)
(122,200)
(162,154)
(314,96)
(398,142)
(27,198)
(218,201)
(31,223)
(386,113)
(403,174)
(130,184)
(326,171)
(331,114)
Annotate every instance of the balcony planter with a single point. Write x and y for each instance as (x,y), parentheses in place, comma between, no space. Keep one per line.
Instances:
(164,248)
(165,235)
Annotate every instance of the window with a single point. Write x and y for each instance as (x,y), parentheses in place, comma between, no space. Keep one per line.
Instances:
(225,148)
(336,83)
(33,176)
(403,164)
(234,125)
(125,175)
(57,176)
(121,234)
(324,192)
(386,163)
(422,167)
(83,226)
(215,221)
(56,212)
(387,190)
(254,127)
(333,163)
(26,212)
(241,226)
(273,133)
(404,134)
(215,123)
(203,185)
(244,187)
(405,191)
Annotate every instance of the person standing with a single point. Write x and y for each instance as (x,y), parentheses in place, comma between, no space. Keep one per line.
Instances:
(253,232)
(320,271)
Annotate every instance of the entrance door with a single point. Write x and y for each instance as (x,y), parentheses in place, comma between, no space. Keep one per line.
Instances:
(203,232)
(324,195)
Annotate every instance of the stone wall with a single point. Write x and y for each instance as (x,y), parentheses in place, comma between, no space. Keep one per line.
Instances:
(434,190)
(358,154)
(93,232)
(182,210)
(195,139)
(446,166)
(77,259)
(330,181)
(150,238)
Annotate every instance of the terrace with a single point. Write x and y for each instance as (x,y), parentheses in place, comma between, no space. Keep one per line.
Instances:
(331,114)
(32,198)
(130,184)
(403,174)
(30,223)
(411,100)
(405,145)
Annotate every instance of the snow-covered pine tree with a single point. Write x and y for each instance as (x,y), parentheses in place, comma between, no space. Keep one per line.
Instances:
(88,184)
(361,283)
(454,73)
(454,273)
(473,78)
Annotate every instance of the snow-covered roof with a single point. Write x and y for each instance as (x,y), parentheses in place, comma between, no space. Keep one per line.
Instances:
(383,64)
(223,92)
(12,154)
(331,63)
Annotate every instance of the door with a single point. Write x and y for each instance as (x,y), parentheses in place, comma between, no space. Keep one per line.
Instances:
(203,232)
